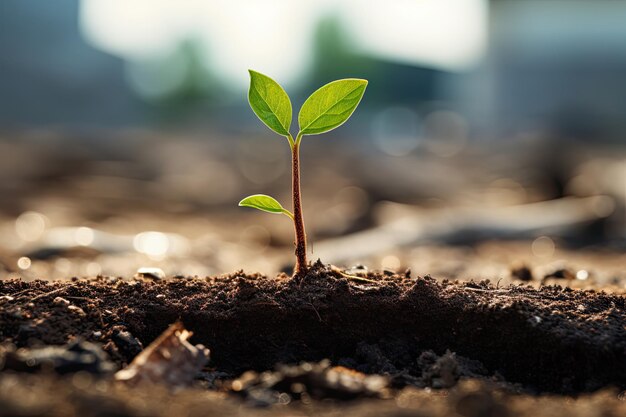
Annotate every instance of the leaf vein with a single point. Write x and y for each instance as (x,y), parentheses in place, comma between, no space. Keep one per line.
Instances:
(273,111)
(329,108)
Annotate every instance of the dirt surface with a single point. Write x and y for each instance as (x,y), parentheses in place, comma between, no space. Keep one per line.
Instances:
(416,331)
(88,397)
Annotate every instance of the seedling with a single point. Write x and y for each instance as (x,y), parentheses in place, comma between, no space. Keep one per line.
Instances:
(326,109)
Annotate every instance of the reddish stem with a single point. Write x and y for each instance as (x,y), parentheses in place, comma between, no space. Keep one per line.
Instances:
(300,242)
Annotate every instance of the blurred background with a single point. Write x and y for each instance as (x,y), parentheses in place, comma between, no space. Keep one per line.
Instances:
(491,141)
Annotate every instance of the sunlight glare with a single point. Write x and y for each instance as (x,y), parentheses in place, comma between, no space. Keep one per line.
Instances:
(449,34)
(276,36)
(153,244)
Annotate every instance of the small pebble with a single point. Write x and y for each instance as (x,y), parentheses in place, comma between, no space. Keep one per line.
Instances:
(149,272)
(77,310)
(60,301)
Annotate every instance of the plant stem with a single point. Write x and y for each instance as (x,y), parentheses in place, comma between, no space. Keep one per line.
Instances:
(300,242)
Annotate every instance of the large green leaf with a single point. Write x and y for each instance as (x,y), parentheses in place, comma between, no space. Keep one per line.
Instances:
(270,103)
(265,203)
(330,106)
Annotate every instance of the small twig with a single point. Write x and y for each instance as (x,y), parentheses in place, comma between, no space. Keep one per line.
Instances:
(100,317)
(6,300)
(355,277)
(483,290)
(53,292)
(316,312)
(20,292)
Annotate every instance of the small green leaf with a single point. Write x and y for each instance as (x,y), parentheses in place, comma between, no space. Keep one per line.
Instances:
(270,103)
(330,106)
(265,203)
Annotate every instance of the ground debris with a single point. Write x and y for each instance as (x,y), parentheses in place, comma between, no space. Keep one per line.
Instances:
(308,381)
(125,343)
(521,272)
(76,356)
(561,273)
(169,360)
(439,371)
(423,369)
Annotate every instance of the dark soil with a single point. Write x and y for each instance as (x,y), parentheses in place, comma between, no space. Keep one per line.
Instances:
(548,340)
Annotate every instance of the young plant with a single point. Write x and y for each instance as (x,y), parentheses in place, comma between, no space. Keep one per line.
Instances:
(326,109)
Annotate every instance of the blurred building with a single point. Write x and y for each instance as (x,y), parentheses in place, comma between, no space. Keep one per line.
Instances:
(49,76)
(555,68)
(552,68)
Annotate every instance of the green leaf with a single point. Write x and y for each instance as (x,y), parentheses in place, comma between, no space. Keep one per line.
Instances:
(265,203)
(330,106)
(270,103)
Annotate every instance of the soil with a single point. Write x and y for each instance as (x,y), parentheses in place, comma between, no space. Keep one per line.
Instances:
(81,396)
(417,331)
